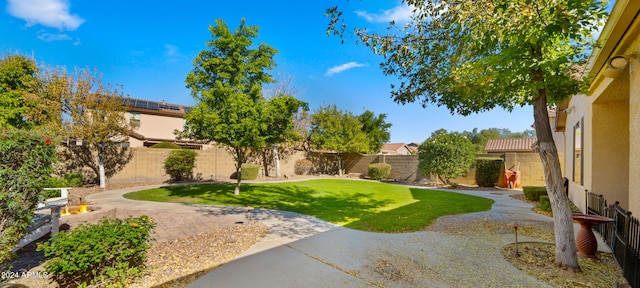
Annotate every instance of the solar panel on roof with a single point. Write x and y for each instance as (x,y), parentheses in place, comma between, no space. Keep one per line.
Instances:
(139,104)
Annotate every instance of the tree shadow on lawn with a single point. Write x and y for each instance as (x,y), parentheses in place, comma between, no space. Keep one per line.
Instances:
(430,205)
(333,207)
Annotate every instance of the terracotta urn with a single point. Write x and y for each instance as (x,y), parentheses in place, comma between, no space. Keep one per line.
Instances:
(586,241)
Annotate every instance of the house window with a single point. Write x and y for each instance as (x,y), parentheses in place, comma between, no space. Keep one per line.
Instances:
(134,120)
(578,157)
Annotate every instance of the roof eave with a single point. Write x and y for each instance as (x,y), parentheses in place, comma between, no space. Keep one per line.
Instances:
(620,18)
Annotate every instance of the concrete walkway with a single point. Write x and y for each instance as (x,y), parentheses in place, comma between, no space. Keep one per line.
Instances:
(302,251)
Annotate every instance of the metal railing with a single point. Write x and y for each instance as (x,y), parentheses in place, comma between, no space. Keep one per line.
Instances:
(622,235)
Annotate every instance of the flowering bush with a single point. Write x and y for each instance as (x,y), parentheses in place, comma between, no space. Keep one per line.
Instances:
(26,161)
(111,252)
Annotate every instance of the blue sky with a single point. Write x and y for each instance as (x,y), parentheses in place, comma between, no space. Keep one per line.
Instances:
(148,47)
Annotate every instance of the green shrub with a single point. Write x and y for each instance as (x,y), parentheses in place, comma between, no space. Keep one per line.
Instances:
(26,161)
(54,182)
(488,171)
(544,203)
(302,167)
(533,193)
(448,155)
(166,145)
(111,252)
(379,171)
(180,163)
(249,171)
(69,180)
(73,180)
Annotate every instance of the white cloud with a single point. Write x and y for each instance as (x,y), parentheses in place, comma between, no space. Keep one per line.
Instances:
(170,50)
(400,13)
(48,37)
(172,53)
(50,13)
(341,68)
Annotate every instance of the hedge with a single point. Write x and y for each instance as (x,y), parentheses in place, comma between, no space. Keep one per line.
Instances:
(166,145)
(534,192)
(488,171)
(249,171)
(379,171)
(544,204)
(180,163)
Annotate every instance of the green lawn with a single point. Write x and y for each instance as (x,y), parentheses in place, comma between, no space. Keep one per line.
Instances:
(362,205)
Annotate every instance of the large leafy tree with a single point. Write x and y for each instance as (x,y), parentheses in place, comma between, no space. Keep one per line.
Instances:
(480,138)
(376,128)
(472,56)
(337,131)
(281,131)
(302,128)
(447,155)
(227,81)
(278,116)
(93,116)
(18,79)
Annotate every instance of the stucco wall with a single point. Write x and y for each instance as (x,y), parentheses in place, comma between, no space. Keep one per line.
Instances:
(217,164)
(529,165)
(610,151)
(609,144)
(155,126)
(634,133)
(579,109)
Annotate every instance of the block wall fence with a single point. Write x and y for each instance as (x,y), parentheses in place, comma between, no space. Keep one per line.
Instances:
(147,166)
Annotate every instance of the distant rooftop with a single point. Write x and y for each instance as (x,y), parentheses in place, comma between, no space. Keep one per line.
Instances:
(391,146)
(510,145)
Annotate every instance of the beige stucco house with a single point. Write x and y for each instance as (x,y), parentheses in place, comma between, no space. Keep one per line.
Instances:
(602,130)
(154,122)
(395,149)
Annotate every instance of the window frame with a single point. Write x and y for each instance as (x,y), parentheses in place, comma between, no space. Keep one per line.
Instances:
(134,119)
(578,152)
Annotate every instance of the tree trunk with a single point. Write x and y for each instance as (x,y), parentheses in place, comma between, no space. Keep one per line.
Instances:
(339,165)
(239,160)
(566,253)
(277,160)
(265,162)
(236,191)
(103,183)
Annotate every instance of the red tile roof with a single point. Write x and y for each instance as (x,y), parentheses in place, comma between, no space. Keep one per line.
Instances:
(510,145)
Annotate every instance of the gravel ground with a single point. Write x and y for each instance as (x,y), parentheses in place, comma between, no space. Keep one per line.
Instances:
(177,263)
(170,263)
